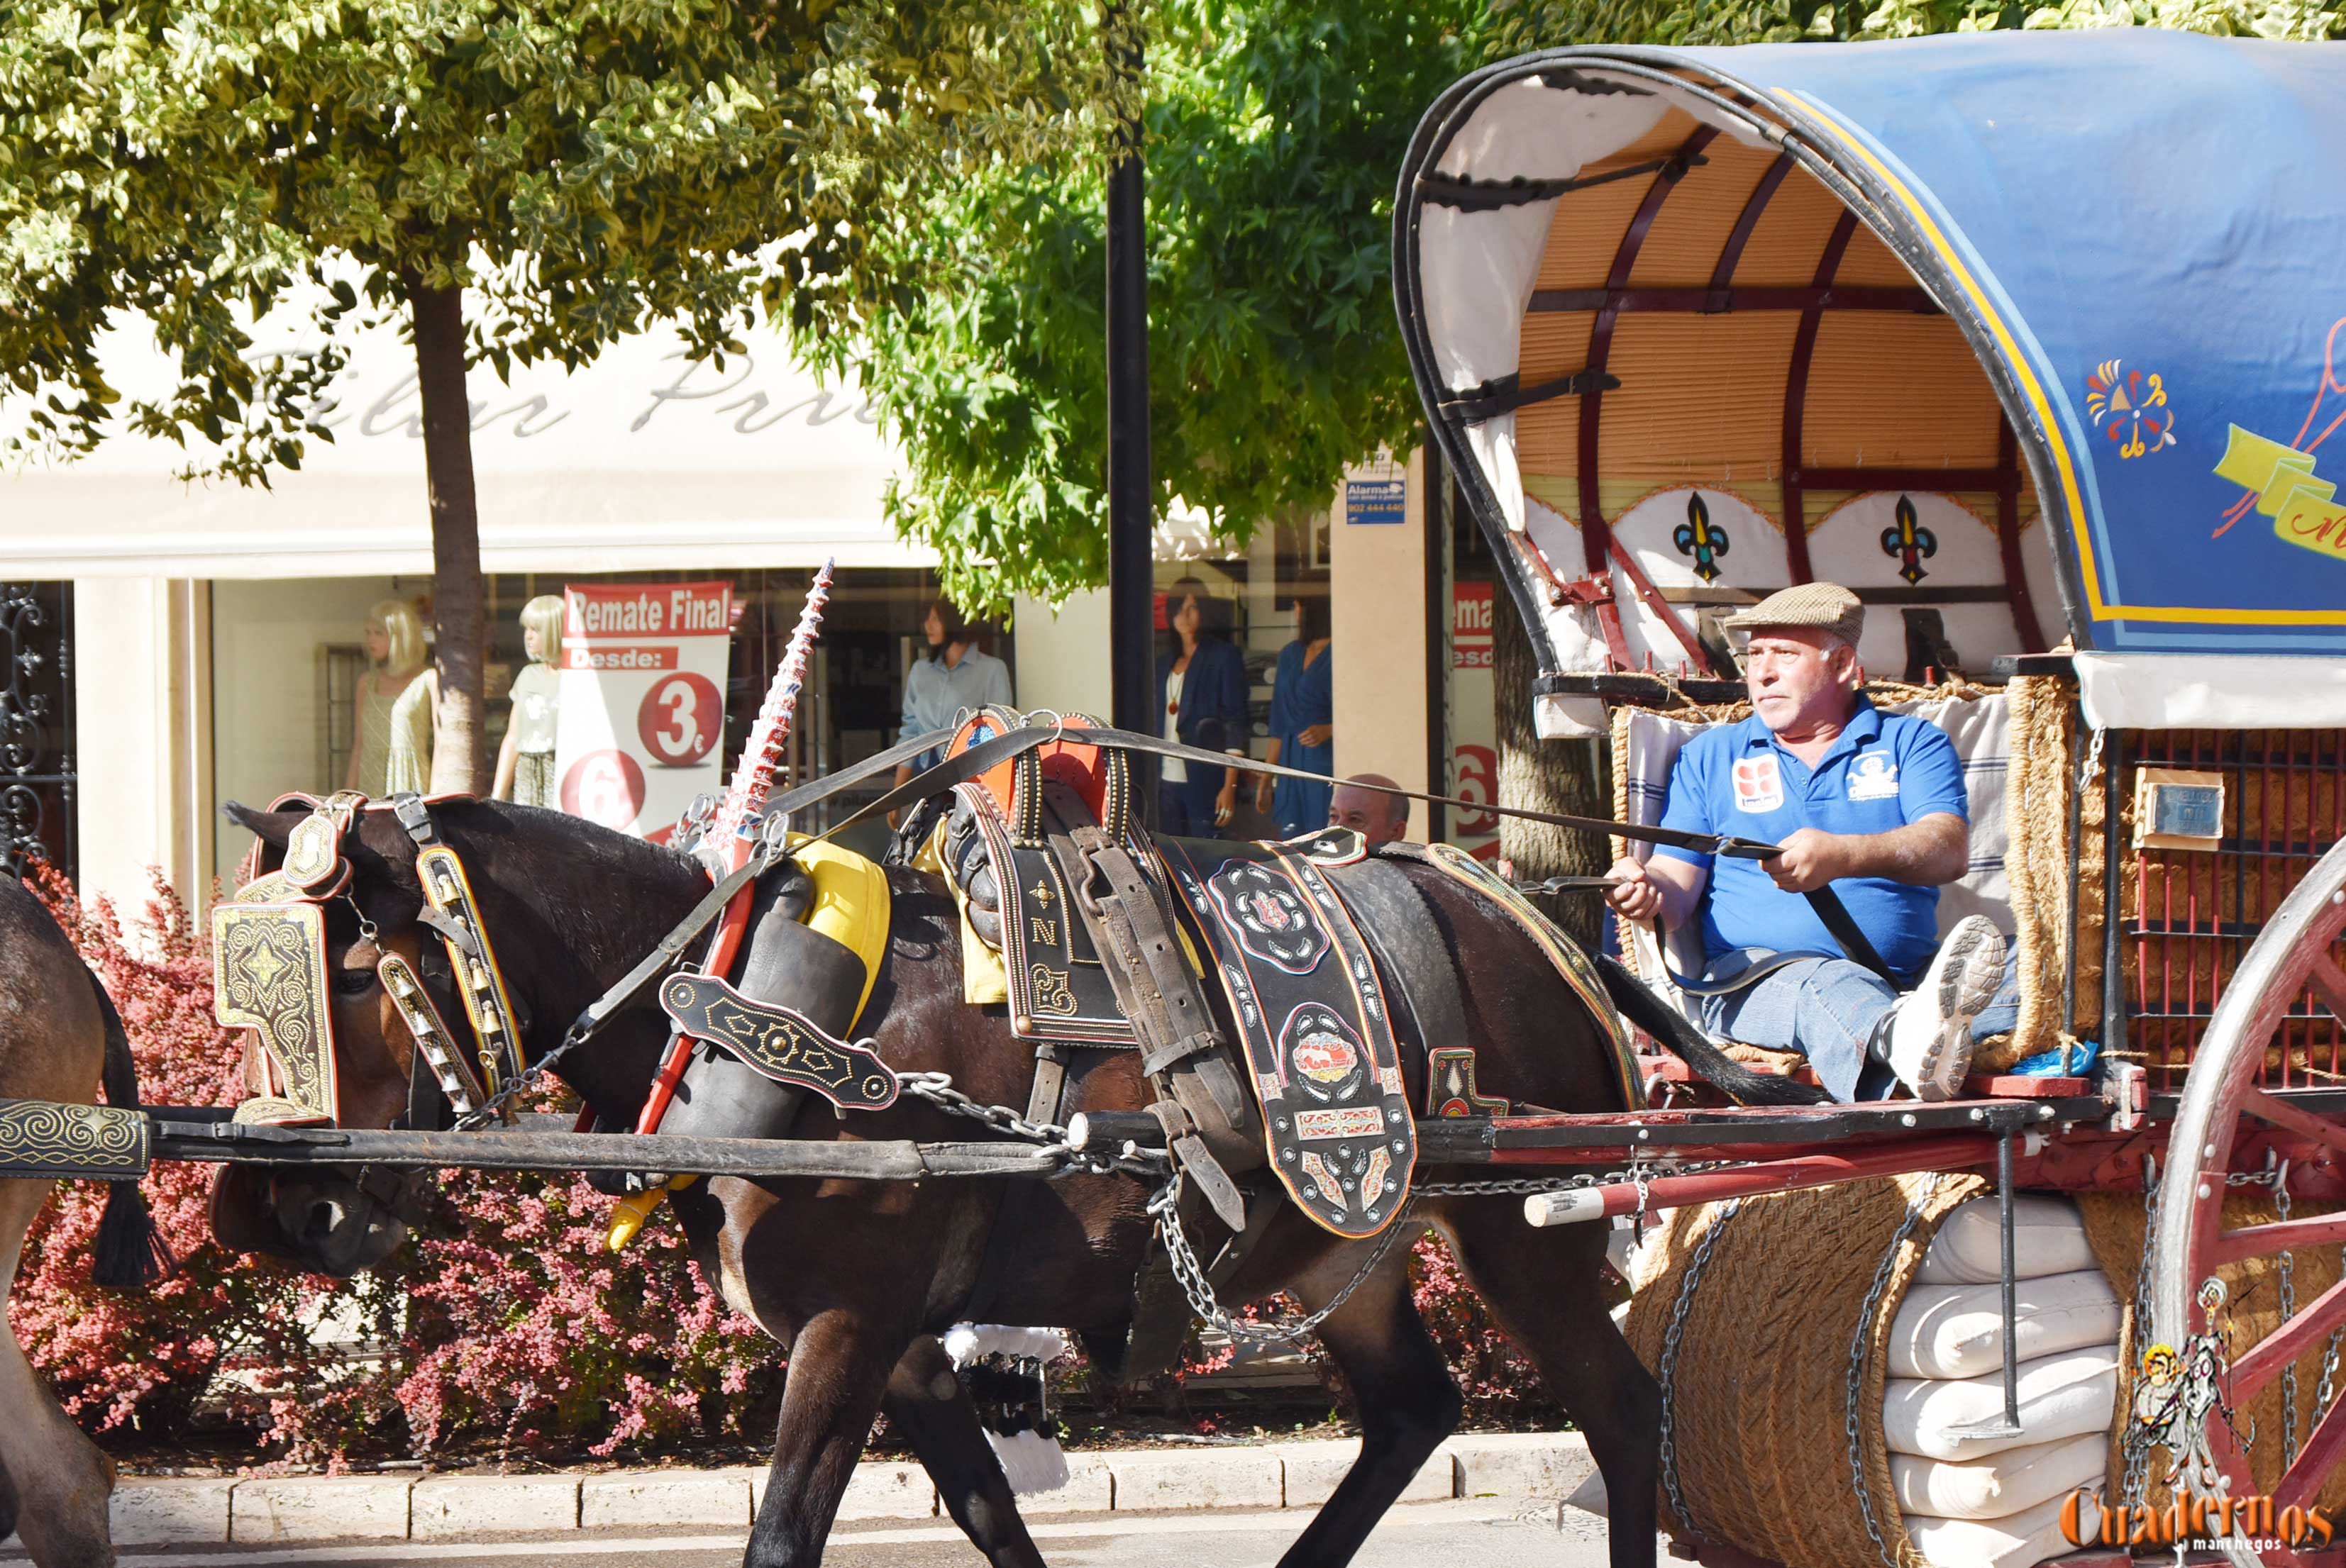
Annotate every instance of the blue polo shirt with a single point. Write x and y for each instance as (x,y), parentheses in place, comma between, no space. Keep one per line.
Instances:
(1884,771)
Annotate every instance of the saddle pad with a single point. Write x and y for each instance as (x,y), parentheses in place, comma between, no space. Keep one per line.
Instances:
(1319,1034)
(1564,954)
(1060,991)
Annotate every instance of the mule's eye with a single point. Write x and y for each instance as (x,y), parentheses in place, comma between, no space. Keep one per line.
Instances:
(353,981)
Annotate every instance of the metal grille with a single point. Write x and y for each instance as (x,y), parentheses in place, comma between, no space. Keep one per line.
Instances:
(2190,915)
(37,726)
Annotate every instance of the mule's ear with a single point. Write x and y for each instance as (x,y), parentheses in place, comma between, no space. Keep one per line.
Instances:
(270,827)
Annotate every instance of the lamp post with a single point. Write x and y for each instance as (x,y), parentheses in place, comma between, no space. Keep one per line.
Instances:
(1132,613)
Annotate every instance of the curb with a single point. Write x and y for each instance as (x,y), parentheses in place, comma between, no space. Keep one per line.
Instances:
(438,1507)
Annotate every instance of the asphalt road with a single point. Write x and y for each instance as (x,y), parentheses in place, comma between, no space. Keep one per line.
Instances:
(1465,1533)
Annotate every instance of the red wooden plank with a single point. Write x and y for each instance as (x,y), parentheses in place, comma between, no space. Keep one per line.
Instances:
(2281,1113)
(2282,1236)
(1796,399)
(2330,982)
(2323,1448)
(2263,1362)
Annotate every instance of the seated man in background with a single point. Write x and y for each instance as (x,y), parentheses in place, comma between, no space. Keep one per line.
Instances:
(1870,802)
(1374,815)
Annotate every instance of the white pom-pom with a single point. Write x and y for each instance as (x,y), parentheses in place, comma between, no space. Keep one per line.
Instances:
(967,1343)
(1031,1462)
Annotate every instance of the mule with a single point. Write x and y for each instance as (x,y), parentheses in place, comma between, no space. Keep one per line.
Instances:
(60,1039)
(857,1277)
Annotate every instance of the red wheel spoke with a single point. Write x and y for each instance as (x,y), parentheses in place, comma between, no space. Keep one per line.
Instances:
(2323,1446)
(2331,981)
(2282,1236)
(2281,1113)
(2263,1362)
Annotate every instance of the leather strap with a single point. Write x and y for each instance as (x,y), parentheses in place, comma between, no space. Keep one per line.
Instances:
(1398,924)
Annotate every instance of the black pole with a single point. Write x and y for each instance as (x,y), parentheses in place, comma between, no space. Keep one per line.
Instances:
(1131,585)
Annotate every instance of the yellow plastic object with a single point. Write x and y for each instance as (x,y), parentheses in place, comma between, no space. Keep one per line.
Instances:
(628,1215)
(851,905)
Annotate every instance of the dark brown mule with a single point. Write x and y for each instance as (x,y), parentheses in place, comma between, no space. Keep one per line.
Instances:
(857,1277)
(59,1039)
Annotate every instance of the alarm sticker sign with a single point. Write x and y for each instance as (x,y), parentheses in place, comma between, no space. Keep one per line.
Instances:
(643,701)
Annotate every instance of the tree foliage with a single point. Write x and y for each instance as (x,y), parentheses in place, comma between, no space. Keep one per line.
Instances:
(545,175)
(1273,132)
(1545,23)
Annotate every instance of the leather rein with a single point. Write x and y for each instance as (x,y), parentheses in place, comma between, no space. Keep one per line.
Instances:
(997,749)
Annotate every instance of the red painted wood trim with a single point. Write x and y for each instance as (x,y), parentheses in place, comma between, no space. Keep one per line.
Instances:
(1718,300)
(2262,1362)
(2031,631)
(2280,1236)
(1656,602)
(1796,397)
(1730,253)
(1596,533)
(2323,1447)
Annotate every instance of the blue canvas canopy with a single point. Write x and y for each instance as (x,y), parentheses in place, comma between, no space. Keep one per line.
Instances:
(2031,333)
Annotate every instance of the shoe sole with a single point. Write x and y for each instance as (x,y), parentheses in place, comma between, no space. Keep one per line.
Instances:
(1965,988)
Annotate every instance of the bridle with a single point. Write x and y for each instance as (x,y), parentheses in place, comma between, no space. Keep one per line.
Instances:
(271,975)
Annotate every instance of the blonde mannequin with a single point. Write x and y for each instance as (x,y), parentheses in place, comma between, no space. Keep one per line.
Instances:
(413,716)
(394,650)
(525,761)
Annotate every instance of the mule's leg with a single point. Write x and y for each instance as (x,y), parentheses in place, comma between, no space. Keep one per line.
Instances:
(1543,1287)
(61,1481)
(839,1366)
(1407,1402)
(926,1400)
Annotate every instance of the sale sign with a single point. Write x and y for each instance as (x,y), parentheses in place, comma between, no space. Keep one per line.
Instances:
(643,701)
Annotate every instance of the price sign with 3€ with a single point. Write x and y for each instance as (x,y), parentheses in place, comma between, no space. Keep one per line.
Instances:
(643,706)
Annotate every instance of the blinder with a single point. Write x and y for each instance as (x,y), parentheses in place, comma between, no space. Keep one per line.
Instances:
(271,975)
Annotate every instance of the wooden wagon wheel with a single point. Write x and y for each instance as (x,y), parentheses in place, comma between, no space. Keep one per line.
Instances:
(2291,954)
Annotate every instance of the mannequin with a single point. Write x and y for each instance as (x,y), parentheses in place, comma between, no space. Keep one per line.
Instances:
(394,650)
(525,761)
(413,716)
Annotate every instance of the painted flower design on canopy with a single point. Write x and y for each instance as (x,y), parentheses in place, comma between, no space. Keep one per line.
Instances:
(2130,408)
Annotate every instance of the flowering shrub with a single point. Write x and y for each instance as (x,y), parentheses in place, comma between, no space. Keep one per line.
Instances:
(504,1326)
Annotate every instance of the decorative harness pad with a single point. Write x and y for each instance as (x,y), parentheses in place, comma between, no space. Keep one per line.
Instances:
(1059,989)
(1319,1032)
(269,963)
(778,1043)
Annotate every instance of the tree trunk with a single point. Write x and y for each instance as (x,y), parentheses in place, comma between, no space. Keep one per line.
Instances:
(1563,776)
(456,601)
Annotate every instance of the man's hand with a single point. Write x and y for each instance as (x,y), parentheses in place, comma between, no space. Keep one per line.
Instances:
(1636,895)
(1810,858)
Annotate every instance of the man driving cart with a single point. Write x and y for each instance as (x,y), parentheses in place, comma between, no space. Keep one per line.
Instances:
(1870,803)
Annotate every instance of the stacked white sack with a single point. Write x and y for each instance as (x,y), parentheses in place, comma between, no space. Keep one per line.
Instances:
(1996,1502)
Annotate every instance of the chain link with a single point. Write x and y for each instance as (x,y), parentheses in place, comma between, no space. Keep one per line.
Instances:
(1164,1208)
(1050,1137)
(1500,1186)
(1666,1368)
(2136,1446)
(2092,763)
(2288,1310)
(1853,1395)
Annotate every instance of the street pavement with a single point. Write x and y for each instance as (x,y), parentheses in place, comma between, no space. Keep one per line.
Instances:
(1471,1532)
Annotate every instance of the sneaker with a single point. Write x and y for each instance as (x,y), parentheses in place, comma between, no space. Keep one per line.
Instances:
(1930,1034)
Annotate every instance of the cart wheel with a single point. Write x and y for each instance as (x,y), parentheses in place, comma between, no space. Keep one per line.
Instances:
(2290,954)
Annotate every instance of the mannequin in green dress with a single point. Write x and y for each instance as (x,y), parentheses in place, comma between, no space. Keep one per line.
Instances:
(525,761)
(394,650)
(408,766)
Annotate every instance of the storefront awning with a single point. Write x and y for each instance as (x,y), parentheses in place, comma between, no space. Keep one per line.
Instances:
(643,461)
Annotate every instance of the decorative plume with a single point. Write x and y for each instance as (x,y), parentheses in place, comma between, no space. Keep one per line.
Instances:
(761,753)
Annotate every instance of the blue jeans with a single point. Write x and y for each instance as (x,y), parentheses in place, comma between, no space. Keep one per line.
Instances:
(1827,1009)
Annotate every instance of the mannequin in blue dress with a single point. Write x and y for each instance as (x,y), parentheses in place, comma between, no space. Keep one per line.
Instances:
(1302,725)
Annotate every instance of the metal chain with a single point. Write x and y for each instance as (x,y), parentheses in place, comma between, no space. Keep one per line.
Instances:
(1854,1393)
(1666,1368)
(2136,1446)
(1500,1186)
(1050,1137)
(2288,1310)
(2092,763)
(1164,1208)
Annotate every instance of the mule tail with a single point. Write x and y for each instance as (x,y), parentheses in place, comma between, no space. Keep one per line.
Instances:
(1712,1065)
(130,1252)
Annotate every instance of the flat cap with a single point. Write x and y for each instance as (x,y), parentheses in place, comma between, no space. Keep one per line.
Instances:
(1825,604)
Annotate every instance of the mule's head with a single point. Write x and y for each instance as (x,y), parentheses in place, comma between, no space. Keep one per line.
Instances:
(341,1221)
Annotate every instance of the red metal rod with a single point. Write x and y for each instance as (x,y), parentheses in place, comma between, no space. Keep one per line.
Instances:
(1959,1152)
